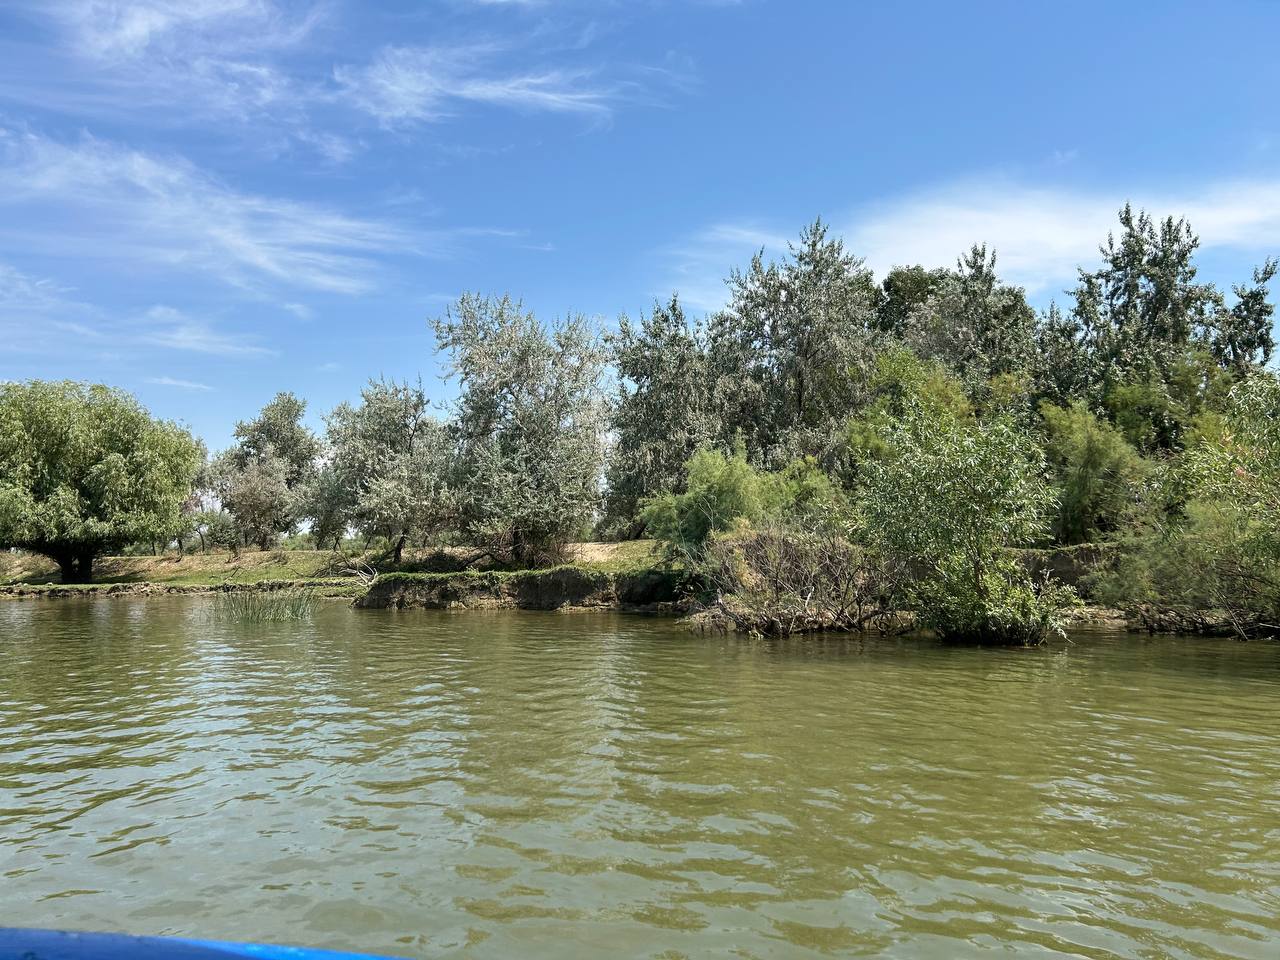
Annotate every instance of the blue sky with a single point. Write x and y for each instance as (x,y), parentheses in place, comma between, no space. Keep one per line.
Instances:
(208,201)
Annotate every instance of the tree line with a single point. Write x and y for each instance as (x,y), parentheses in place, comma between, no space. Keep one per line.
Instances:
(927,422)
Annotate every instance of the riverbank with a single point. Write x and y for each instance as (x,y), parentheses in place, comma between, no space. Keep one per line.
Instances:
(647,590)
(217,568)
(623,576)
(329,587)
(567,589)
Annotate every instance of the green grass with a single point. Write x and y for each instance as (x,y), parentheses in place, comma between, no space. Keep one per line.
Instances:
(252,566)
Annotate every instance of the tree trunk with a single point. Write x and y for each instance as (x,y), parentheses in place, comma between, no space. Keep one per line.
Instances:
(76,567)
(399,550)
(67,567)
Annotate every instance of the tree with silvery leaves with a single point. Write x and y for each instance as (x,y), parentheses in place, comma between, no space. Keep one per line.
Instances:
(390,467)
(530,422)
(977,325)
(790,353)
(662,413)
(260,480)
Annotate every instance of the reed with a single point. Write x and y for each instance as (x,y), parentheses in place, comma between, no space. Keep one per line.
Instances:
(273,606)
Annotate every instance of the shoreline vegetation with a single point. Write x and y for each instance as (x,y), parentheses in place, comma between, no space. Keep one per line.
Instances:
(831,450)
(625,576)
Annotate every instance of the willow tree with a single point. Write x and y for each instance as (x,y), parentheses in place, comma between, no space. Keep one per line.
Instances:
(85,470)
(530,418)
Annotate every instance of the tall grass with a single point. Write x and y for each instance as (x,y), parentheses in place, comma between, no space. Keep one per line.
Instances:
(272,606)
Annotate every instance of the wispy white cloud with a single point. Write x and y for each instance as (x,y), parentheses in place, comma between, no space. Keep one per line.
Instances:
(231,63)
(165,212)
(256,68)
(405,85)
(118,29)
(20,292)
(37,315)
(1041,234)
(167,327)
(179,384)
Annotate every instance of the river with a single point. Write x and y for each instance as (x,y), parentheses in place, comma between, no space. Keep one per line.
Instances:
(521,785)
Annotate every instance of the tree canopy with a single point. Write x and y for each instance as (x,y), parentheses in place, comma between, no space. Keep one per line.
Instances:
(85,470)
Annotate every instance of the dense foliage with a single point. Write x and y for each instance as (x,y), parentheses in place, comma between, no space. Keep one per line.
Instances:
(530,423)
(951,497)
(85,470)
(825,447)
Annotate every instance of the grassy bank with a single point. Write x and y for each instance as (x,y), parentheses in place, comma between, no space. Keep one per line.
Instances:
(27,575)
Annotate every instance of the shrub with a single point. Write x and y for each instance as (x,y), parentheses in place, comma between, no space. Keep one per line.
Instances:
(1215,562)
(783,579)
(724,490)
(1097,473)
(950,498)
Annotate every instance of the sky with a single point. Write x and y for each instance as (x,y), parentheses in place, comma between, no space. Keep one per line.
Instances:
(205,202)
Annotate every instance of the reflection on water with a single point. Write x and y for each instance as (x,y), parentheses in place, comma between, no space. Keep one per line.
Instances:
(537,785)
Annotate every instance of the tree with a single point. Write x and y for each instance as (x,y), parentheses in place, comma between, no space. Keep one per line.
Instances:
(1144,308)
(950,499)
(326,504)
(530,421)
(1242,337)
(1061,369)
(1143,305)
(85,470)
(789,355)
(903,292)
(261,479)
(390,469)
(256,494)
(278,430)
(662,414)
(981,328)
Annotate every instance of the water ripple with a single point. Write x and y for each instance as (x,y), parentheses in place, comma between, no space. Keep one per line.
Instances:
(498,785)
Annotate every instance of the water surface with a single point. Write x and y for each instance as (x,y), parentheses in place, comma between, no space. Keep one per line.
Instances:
(520,785)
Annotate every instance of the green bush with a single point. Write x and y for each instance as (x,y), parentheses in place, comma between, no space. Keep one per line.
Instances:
(950,500)
(1210,559)
(724,490)
(1097,472)
(999,605)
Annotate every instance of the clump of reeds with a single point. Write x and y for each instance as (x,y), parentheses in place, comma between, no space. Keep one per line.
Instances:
(271,606)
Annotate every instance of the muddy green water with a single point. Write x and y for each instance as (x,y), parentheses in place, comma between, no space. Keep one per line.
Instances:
(517,785)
